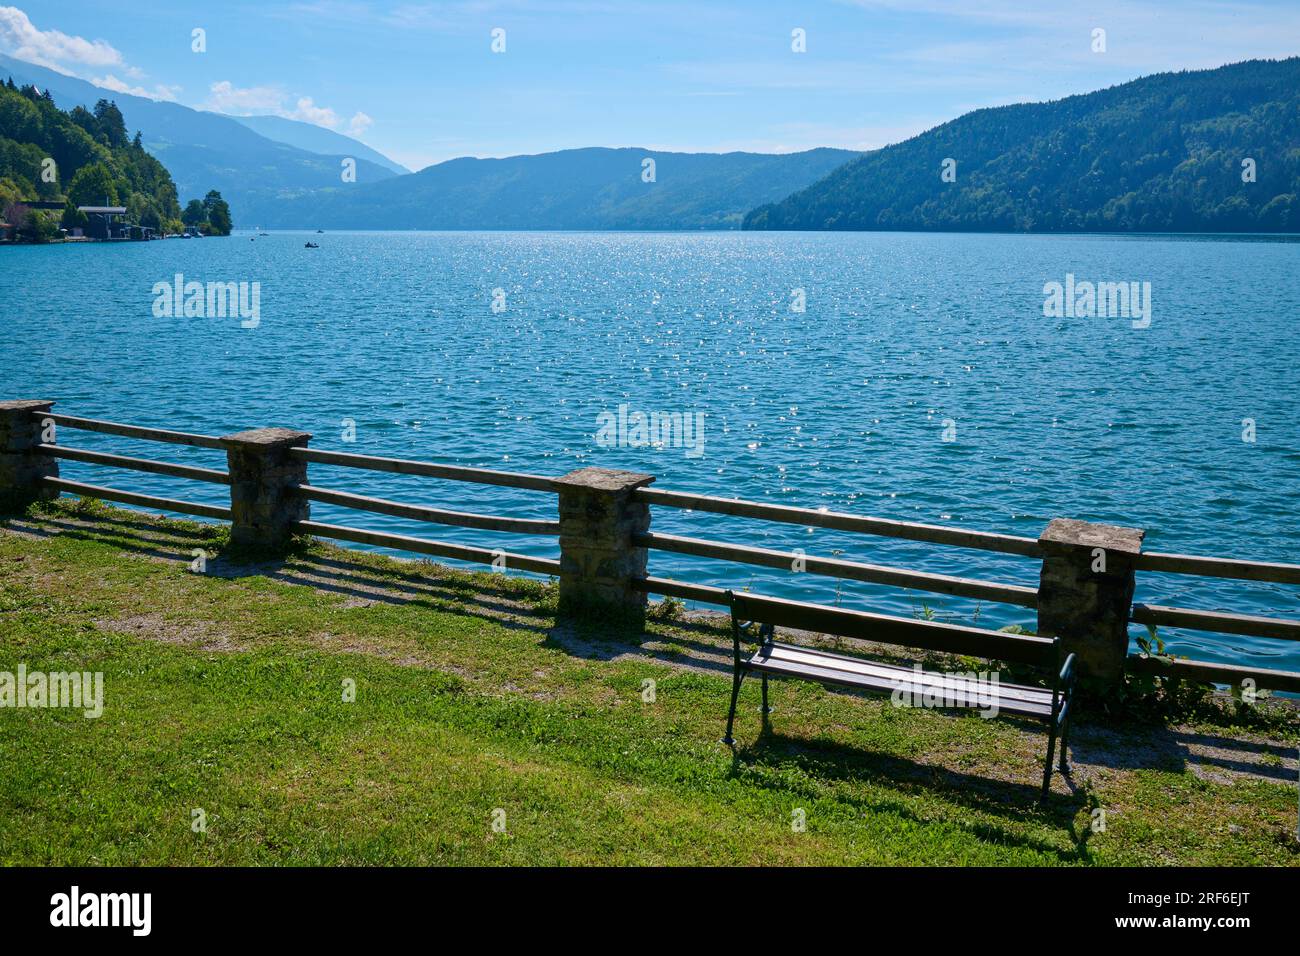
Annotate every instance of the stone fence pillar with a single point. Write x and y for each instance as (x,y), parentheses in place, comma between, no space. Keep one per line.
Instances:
(22,464)
(1085,592)
(263,501)
(598,560)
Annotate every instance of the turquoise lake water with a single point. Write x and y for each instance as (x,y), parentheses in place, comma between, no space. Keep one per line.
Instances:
(905,340)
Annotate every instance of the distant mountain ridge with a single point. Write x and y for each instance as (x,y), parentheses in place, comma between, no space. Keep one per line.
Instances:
(278,173)
(205,150)
(590,188)
(317,139)
(1163,153)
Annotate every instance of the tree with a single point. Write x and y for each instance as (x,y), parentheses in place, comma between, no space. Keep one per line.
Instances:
(165,197)
(218,213)
(112,126)
(38,227)
(195,214)
(85,119)
(74,218)
(10,192)
(15,212)
(93,186)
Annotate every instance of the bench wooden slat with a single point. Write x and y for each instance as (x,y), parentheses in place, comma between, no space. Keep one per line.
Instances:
(885,629)
(880,678)
(935,679)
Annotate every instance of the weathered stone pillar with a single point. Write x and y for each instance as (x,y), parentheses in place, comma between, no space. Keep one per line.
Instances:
(1085,592)
(263,502)
(597,558)
(22,464)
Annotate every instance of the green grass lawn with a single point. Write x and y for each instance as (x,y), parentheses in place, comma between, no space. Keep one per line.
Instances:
(224,692)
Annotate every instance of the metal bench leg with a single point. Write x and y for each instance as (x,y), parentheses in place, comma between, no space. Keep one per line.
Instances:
(1047,764)
(1065,735)
(731,715)
(766,709)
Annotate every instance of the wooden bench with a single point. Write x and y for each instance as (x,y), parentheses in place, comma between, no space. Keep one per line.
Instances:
(1049,704)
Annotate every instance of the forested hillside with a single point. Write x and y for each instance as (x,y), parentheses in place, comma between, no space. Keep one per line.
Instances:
(84,157)
(1211,150)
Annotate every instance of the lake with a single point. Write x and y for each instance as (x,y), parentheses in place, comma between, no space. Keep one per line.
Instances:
(906,376)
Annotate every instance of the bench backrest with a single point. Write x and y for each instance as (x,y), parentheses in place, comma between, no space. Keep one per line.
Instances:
(901,631)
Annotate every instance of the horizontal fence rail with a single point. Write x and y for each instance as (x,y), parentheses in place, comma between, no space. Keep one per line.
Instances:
(904,632)
(133,431)
(1207,673)
(399,509)
(143,501)
(667,587)
(137,464)
(1219,567)
(1216,621)
(840,521)
(441,549)
(402,466)
(852,570)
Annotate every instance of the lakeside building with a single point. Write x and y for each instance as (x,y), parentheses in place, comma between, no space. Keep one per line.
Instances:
(104,224)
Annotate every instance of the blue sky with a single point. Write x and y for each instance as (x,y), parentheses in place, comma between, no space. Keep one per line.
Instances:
(419,81)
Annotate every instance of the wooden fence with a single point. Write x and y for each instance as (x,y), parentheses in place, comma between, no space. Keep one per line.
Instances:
(604,537)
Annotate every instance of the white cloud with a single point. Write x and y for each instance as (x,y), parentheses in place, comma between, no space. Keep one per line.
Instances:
(52,48)
(74,56)
(309,112)
(225,97)
(359,123)
(161,91)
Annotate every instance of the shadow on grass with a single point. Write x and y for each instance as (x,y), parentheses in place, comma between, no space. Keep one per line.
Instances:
(595,641)
(164,543)
(830,761)
(358,582)
(420,586)
(1177,750)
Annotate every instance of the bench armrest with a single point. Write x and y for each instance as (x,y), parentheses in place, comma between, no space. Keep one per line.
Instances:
(1066,679)
(766,632)
(1062,687)
(735,628)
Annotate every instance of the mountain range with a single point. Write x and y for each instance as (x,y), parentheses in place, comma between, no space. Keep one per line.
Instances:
(1194,151)
(317,139)
(593,188)
(280,173)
